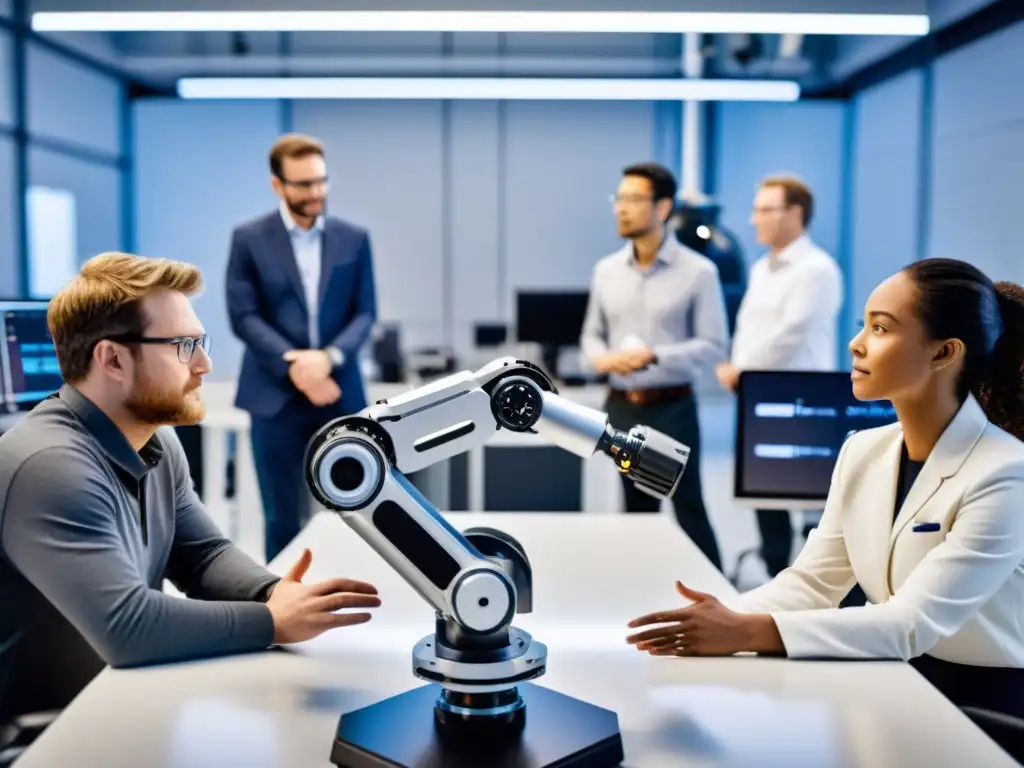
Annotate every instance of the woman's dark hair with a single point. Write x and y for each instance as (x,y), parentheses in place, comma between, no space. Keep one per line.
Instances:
(956,300)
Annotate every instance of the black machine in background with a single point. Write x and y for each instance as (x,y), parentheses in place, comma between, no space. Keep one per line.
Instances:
(696,226)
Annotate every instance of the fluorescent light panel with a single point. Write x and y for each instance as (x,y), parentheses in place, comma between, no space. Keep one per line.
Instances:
(482,21)
(486,88)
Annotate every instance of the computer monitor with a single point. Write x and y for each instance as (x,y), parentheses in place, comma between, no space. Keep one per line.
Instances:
(489,335)
(790,426)
(30,369)
(551,318)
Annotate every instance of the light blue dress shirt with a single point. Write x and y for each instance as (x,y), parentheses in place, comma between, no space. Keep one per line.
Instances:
(307,245)
(674,306)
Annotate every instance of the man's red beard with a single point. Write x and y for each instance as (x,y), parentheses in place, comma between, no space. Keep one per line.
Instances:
(152,404)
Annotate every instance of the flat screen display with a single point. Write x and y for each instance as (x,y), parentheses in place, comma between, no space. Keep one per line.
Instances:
(31,372)
(551,317)
(790,426)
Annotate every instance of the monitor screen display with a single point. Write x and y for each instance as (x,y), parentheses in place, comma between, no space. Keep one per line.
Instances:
(30,369)
(490,334)
(553,318)
(789,428)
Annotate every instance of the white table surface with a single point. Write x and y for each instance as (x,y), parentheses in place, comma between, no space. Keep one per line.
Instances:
(592,574)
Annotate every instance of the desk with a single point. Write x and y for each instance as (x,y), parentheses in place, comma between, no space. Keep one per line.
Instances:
(280,709)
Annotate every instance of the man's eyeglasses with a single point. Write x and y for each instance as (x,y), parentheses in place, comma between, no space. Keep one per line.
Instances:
(305,184)
(768,209)
(629,199)
(187,345)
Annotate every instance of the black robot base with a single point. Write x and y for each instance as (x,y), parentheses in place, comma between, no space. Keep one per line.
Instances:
(402,732)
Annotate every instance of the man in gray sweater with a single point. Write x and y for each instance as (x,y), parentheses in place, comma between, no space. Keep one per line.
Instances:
(97,506)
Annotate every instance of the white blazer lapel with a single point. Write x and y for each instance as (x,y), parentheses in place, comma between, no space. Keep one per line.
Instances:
(880,490)
(945,459)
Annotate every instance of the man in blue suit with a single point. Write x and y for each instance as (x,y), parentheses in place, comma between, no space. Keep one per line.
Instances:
(301,297)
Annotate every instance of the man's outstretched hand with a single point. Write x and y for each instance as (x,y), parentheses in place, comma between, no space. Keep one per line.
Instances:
(303,611)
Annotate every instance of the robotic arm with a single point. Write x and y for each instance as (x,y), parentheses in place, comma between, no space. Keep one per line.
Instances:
(478,579)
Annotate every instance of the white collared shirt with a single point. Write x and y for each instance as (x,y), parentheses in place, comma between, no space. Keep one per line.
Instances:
(787,319)
(307,244)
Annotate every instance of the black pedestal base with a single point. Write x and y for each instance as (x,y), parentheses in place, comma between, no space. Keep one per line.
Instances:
(401,732)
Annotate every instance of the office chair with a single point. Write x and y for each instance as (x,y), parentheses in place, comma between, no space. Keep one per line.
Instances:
(1005,730)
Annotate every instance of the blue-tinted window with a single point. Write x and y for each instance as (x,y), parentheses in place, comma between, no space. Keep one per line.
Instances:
(9,271)
(87,191)
(6,77)
(71,103)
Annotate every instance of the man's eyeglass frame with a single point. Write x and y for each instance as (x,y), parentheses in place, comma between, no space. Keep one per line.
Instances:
(304,184)
(186,351)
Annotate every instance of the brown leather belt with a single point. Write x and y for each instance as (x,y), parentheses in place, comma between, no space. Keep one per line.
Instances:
(651,396)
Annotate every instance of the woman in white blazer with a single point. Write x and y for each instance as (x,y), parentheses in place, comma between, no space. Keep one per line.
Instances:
(926,514)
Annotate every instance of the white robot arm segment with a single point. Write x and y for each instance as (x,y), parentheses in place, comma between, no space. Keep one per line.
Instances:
(355,466)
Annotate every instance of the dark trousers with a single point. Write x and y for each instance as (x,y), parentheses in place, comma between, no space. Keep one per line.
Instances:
(678,420)
(278,451)
(776,539)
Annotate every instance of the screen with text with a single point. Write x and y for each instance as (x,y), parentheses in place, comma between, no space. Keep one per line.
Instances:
(790,428)
(33,373)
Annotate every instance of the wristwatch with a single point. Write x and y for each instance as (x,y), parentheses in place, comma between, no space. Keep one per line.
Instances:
(336,355)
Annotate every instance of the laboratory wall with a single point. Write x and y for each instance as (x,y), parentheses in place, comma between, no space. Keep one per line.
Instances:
(977,173)
(885,188)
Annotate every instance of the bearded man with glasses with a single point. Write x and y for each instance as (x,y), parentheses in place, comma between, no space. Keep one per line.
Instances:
(302,300)
(97,506)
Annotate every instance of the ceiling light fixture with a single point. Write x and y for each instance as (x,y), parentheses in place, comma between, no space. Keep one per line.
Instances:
(482,21)
(485,88)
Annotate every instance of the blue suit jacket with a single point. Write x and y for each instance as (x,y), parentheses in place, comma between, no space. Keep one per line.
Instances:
(267,308)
